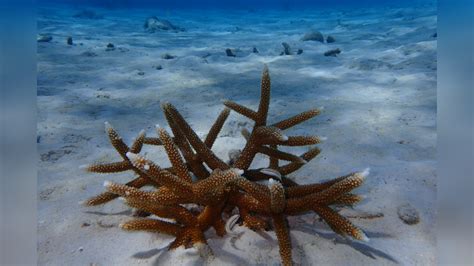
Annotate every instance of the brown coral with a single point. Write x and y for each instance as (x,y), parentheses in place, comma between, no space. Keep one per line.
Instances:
(198,176)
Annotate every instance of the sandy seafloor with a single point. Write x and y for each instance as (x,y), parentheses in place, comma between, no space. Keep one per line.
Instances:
(379,98)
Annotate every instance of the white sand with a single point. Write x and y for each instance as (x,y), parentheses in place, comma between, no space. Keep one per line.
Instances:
(381,90)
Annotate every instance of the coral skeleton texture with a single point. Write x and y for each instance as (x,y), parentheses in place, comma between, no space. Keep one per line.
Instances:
(226,193)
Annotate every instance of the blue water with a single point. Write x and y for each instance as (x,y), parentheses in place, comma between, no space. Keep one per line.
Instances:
(243,4)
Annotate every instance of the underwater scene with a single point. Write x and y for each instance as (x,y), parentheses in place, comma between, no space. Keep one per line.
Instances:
(236,133)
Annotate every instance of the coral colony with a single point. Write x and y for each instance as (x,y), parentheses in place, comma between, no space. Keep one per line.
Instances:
(262,198)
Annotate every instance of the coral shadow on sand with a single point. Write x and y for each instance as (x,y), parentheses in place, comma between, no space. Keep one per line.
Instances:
(363,248)
(126,212)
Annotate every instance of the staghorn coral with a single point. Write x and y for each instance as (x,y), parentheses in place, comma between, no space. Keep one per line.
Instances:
(197,176)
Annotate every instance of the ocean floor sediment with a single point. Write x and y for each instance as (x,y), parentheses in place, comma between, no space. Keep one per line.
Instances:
(378,94)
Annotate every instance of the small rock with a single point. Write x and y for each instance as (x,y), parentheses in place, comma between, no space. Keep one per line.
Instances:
(234,155)
(254,50)
(330,39)
(38,139)
(85,224)
(100,223)
(286,48)
(313,36)
(158,67)
(54,155)
(89,54)
(167,56)
(236,29)
(44,38)
(334,52)
(80,249)
(408,214)
(141,73)
(229,52)
(434,35)
(88,14)
(75,138)
(300,51)
(46,193)
(153,24)
(69,41)
(110,47)
(401,142)
(104,96)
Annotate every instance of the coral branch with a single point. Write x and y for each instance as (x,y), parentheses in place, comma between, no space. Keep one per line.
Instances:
(277,196)
(297,119)
(138,143)
(152,225)
(116,140)
(159,175)
(199,191)
(339,224)
(174,156)
(216,128)
(300,141)
(264,98)
(283,236)
(109,167)
(108,196)
(242,110)
(273,153)
(206,154)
